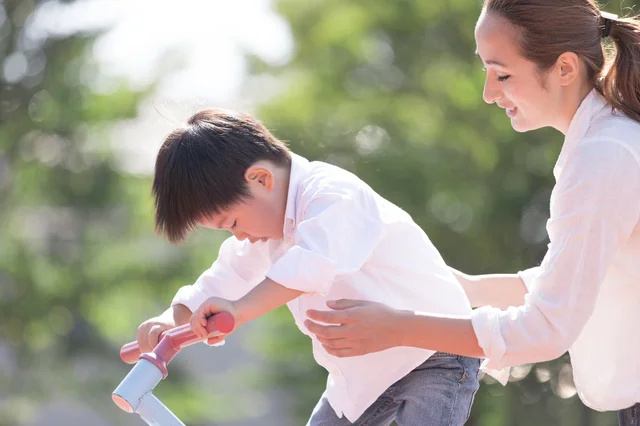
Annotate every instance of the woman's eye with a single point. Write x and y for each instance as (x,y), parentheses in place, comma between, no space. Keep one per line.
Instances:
(503,78)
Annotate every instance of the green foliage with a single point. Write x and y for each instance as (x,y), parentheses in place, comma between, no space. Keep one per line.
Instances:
(80,266)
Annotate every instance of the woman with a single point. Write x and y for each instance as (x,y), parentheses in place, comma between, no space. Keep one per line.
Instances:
(546,66)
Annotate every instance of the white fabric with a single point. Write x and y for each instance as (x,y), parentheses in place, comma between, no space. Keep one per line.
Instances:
(585,296)
(341,240)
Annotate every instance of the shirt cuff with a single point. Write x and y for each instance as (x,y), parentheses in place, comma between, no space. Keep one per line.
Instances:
(303,270)
(486,325)
(189,296)
(528,276)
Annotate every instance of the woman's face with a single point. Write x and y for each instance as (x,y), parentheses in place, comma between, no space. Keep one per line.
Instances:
(513,82)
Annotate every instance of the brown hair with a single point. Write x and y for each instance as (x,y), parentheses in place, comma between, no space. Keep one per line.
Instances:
(548,28)
(200,167)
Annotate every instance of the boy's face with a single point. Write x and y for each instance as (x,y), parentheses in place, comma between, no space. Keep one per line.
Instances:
(261,216)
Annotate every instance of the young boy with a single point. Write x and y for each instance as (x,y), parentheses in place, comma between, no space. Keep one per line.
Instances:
(305,233)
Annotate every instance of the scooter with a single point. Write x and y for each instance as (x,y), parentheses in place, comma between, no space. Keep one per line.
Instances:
(135,392)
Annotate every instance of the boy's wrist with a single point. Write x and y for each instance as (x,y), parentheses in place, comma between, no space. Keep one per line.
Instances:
(236,310)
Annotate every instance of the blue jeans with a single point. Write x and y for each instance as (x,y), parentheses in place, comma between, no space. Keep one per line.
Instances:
(630,416)
(437,393)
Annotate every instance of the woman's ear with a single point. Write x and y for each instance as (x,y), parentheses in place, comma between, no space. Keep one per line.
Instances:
(568,68)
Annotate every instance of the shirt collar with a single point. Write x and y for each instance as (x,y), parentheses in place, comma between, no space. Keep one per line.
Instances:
(299,169)
(590,106)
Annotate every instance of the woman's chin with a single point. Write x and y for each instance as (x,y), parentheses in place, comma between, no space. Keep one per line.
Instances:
(521,126)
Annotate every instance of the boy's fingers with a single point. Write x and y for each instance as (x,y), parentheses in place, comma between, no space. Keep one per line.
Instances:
(216,340)
(143,338)
(154,335)
(202,332)
(195,325)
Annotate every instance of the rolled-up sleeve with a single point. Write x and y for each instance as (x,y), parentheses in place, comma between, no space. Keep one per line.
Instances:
(337,234)
(240,266)
(595,207)
(528,277)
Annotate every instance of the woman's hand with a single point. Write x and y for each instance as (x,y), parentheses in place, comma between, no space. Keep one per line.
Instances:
(357,327)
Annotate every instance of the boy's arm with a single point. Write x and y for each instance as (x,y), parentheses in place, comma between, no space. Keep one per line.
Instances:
(240,266)
(497,290)
(336,236)
(265,297)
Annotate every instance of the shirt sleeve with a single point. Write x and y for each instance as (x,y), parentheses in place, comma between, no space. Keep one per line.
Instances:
(528,277)
(240,266)
(594,209)
(337,234)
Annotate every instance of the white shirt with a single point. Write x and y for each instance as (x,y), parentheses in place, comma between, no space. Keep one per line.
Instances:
(341,240)
(585,296)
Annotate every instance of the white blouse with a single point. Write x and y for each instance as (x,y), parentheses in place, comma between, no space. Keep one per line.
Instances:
(585,296)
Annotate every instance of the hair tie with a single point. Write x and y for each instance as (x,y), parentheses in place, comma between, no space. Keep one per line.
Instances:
(606,22)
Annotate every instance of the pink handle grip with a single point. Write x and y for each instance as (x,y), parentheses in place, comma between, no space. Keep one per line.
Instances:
(182,336)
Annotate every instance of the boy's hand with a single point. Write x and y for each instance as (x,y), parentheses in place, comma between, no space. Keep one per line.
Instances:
(211,306)
(150,330)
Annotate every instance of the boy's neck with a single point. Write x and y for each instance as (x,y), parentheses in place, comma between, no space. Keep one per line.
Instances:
(282,176)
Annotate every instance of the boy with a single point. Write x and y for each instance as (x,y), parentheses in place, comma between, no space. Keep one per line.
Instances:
(305,233)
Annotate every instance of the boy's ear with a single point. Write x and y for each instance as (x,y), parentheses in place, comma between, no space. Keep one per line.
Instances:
(260,175)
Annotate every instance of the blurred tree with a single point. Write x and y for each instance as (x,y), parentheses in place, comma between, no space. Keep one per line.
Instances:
(79,264)
(393,92)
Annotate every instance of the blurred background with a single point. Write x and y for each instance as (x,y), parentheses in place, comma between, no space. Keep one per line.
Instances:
(388,90)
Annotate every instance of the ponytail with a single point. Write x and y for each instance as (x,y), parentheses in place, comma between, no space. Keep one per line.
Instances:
(621,79)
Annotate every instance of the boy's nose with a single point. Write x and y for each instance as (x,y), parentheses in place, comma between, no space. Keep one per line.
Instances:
(241,236)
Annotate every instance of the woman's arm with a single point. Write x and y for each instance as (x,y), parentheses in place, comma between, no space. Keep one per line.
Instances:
(497,290)
(362,327)
(594,212)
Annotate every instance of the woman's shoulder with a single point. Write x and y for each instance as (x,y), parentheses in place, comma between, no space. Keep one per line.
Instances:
(611,128)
